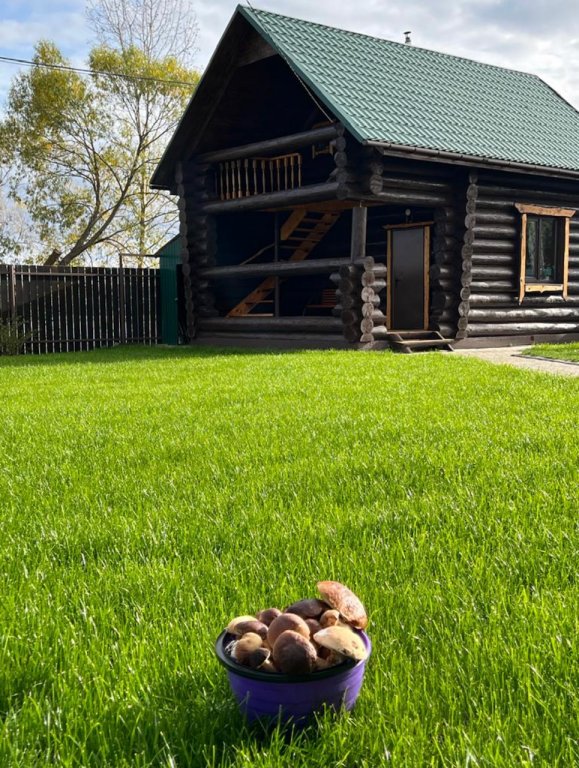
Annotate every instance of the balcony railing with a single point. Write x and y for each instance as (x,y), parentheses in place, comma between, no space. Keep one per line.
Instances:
(258,176)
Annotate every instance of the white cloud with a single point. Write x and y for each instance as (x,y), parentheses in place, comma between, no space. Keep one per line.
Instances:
(20,32)
(538,36)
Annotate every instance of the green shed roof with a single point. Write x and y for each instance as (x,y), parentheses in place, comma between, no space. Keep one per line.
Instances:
(397,94)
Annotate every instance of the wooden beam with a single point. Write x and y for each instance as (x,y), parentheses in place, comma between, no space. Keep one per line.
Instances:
(280,268)
(272,324)
(426,276)
(292,222)
(409,225)
(544,210)
(521,327)
(273,146)
(451,158)
(358,239)
(543,287)
(324,206)
(389,278)
(566,258)
(285,199)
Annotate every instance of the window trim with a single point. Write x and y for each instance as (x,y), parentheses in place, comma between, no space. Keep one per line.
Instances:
(543,210)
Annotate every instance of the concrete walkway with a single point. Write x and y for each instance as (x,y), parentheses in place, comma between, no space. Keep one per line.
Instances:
(511,356)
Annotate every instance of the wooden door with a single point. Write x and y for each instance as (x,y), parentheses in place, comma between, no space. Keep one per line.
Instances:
(408,264)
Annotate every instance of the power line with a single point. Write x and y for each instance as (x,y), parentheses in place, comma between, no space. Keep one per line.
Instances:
(95,72)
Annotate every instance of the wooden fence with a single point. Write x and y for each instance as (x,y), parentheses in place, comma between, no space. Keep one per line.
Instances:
(66,309)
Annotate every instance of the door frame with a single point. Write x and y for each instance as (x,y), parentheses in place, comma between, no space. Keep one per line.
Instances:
(425,225)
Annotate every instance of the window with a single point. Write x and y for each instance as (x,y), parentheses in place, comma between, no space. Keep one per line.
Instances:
(544,249)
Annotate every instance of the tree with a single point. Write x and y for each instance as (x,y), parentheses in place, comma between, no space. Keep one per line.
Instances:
(16,239)
(161,29)
(18,243)
(82,149)
(137,36)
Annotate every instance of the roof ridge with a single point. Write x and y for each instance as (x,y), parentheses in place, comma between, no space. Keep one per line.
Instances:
(258,11)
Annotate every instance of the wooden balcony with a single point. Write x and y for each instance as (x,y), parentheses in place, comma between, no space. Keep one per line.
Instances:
(250,176)
(275,173)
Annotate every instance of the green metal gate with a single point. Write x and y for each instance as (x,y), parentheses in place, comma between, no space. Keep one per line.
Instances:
(169,260)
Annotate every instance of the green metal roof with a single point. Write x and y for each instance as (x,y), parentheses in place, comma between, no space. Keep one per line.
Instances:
(398,94)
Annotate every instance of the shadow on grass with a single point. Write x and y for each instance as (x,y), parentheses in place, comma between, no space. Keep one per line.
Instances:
(227,735)
(125,354)
(192,721)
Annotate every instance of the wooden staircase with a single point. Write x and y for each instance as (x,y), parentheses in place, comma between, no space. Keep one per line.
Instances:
(302,231)
(418,341)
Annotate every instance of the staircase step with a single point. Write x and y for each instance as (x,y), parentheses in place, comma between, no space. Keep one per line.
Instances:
(312,239)
(417,334)
(424,342)
(409,341)
(418,344)
(305,244)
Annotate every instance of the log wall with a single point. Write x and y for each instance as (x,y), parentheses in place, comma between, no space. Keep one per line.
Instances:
(475,256)
(493,307)
(445,269)
(197,235)
(431,192)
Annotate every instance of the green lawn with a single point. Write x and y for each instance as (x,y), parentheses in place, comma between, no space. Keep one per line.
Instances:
(147,496)
(568,352)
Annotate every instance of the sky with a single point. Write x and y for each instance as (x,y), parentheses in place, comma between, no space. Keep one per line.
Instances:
(538,36)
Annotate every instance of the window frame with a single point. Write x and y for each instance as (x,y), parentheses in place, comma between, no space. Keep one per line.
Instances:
(526,286)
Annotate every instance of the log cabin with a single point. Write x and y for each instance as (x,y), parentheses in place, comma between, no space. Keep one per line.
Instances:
(340,190)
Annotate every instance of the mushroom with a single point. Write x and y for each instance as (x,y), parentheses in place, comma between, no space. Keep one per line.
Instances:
(332,659)
(246,646)
(268,615)
(344,601)
(314,626)
(243,627)
(310,608)
(329,618)
(234,622)
(293,654)
(246,653)
(268,666)
(284,622)
(342,640)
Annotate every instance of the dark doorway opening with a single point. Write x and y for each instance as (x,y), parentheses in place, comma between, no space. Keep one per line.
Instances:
(408,263)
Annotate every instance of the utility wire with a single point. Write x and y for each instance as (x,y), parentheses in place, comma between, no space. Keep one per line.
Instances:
(95,72)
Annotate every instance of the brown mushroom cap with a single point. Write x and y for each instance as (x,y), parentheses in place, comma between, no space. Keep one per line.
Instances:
(310,608)
(245,646)
(293,654)
(330,659)
(283,623)
(345,601)
(258,658)
(342,640)
(329,618)
(234,622)
(268,615)
(249,656)
(314,626)
(255,626)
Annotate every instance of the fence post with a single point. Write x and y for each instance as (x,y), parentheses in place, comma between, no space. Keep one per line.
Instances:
(122,305)
(12,292)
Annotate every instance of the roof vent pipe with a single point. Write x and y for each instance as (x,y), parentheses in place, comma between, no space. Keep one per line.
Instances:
(407,39)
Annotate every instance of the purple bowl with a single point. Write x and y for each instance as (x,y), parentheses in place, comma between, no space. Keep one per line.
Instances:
(292,697)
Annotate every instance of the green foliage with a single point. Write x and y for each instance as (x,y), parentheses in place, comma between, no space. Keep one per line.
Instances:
(13,336)
(148,495)
(82,149)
